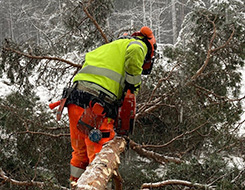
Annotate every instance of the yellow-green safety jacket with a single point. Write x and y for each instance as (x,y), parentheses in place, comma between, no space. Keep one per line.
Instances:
(107,67)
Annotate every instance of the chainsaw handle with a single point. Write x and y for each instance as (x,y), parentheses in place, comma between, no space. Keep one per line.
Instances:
(53,105)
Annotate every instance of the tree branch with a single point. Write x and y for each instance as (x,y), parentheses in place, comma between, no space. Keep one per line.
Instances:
(148,110)
(218,96)
(175,138)
(153,155)
(43,57)
(161,80)
(46,134)
(94,21)
(25,183)
(210,50)
(147,186)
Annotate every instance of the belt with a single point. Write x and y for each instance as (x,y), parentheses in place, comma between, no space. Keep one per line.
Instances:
(96,93)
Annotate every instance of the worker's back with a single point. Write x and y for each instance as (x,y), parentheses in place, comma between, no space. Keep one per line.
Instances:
(105,65)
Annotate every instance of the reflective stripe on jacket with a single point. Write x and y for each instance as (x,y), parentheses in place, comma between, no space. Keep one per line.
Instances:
(111,64)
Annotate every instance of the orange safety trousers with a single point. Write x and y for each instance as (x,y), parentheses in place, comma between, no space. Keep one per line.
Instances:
(84,150)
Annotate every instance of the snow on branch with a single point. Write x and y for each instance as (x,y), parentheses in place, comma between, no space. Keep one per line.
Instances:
(147,186)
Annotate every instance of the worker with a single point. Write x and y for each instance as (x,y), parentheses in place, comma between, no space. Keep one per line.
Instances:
(107,73)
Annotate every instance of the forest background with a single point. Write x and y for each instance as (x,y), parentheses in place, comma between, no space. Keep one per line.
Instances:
(189,123)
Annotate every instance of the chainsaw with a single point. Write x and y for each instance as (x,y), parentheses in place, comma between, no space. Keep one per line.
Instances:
(126,114)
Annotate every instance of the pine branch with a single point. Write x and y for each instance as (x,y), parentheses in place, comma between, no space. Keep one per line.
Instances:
(94,21)
(43,57)
(210,49)
(31,183)
(45,134)
(176,138)
(160,81)
(218,96)
(147,186)
(153,155)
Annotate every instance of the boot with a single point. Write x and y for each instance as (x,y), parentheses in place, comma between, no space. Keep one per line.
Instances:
(73,182)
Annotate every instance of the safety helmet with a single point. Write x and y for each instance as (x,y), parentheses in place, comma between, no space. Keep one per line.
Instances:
(150,41)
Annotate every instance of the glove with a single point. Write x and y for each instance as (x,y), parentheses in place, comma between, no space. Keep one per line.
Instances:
(130,87)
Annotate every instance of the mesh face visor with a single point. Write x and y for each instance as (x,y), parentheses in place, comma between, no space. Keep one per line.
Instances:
(150,41)
(149,61)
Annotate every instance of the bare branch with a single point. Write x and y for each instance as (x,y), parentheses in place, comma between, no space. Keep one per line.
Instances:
(238,176)
(175,138)
(147,186)
(25,183)
(95,22)
(226,43)
(148,110)
(210,50)
(43,57)
(153,155)
(46,134)
(117,180)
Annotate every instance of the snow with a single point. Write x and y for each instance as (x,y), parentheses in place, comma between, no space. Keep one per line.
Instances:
(236,161)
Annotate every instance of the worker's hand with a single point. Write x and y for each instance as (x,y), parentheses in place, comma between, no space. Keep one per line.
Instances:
(131,87)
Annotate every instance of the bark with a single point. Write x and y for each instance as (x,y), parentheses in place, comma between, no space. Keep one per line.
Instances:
(103,167)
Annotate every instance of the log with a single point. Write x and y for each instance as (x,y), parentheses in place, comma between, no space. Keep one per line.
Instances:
(103,167)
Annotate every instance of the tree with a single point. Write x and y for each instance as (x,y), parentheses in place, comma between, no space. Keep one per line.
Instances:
(153,13)
(174,24)
(196,105)
(35,149)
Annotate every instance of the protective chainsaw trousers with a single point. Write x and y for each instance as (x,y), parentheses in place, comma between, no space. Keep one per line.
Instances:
(84,150)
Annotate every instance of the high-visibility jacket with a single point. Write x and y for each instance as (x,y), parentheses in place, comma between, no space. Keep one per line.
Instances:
(111,64)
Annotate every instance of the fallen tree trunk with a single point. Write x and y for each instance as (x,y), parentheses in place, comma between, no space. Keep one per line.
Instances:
(103,167)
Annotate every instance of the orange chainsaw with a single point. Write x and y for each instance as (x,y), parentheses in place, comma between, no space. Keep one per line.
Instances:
(126,114)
